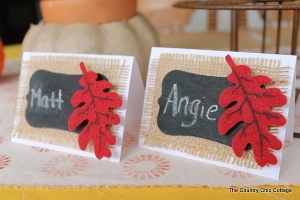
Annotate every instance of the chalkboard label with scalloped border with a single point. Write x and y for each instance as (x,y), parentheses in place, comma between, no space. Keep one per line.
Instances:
(49,99)
(189,106)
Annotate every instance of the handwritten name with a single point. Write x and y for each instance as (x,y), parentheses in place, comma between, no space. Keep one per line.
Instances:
(39,100)
(189,107)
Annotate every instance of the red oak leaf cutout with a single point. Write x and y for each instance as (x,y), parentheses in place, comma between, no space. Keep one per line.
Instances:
(250,102)
(94,105)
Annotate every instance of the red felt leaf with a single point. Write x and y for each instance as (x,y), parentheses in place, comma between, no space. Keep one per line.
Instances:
(251,103)
(94,105)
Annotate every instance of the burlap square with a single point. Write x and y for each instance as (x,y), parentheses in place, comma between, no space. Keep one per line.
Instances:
(115,70)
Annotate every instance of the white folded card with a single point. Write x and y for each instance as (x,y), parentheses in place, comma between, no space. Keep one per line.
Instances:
(77,103)
(231,109)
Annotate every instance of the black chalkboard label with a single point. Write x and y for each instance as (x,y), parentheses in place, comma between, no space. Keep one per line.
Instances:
(189,106)
(49,99)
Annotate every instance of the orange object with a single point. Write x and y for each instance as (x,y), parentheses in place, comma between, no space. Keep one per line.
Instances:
(87,11)
(1,57)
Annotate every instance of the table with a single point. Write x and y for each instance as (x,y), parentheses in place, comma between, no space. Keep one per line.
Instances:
(234,6)
(127,190)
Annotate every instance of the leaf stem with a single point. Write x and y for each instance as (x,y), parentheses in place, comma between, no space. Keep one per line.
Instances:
(82,67)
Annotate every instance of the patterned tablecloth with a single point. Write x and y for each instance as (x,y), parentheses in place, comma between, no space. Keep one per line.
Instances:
(31,168)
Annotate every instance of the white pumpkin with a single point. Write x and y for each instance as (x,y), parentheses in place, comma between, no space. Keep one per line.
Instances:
(133,37)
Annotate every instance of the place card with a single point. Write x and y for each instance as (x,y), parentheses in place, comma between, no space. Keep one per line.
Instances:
(231,109)
(77,103)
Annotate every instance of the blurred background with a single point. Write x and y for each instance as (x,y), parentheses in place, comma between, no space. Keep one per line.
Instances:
(17,15)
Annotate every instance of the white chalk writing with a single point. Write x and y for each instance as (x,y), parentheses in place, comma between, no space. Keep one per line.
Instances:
(39,100)
(189,107)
